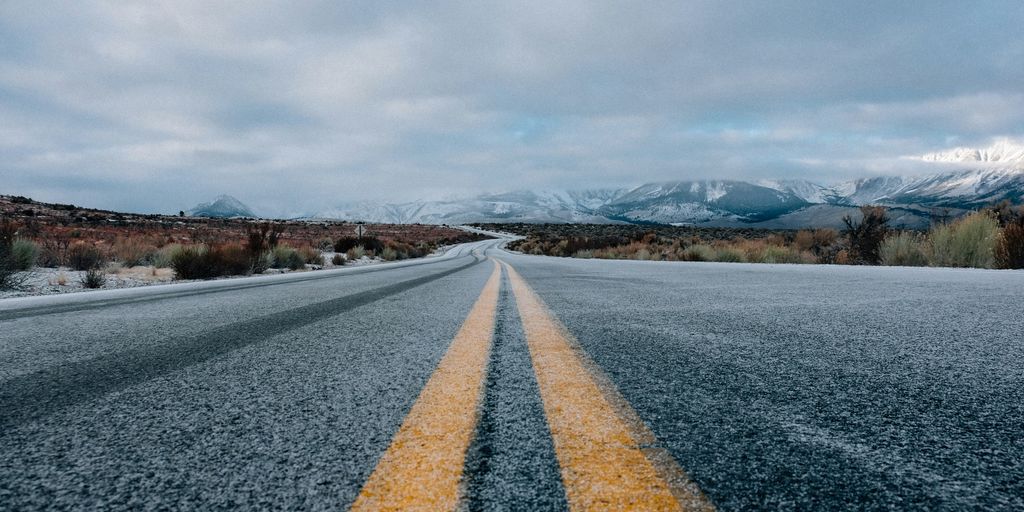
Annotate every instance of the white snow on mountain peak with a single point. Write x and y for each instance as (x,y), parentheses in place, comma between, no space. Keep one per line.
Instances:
(1005,151)
(962,179)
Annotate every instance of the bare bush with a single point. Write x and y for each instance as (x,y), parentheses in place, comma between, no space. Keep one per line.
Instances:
(9,276)
(311,256)
(1009,251)
(866,236)
(94,278)
(85,256)
(132,252)
(261,263)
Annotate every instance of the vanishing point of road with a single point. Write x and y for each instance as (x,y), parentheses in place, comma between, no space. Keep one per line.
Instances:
(486,380)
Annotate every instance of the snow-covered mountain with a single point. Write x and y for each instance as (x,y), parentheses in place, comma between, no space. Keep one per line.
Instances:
(520,206)
(955,189)
(964,178)
(701,201)
(222,207)
(1003,152)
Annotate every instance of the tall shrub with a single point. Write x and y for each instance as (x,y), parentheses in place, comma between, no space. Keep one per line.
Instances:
(867,235)
(9,277)
(24,254)
(968,242)
(1009,251)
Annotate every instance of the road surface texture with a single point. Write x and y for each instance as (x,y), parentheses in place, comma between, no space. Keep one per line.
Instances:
(493,381)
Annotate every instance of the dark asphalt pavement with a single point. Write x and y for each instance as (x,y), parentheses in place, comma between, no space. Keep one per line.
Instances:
(773,386)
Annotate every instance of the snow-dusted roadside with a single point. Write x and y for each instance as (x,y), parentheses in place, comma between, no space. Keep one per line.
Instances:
(61,281)
(493,234)
(53,281)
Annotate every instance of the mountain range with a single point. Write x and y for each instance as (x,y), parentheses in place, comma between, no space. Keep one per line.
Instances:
(965,179)
(969,178)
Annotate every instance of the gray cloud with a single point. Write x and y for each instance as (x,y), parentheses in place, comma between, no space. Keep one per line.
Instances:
(294,106)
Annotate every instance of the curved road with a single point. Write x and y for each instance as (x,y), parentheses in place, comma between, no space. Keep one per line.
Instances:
(489,380)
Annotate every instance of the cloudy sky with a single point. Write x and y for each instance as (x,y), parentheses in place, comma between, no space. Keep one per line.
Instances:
(293,106)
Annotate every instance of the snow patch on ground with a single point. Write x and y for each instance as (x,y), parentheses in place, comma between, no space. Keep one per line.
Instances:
(56,281)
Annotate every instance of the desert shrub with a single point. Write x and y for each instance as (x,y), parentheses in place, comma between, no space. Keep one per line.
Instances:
(866,236)
(8,233)
(162,257)
(355,253)
(822,243)
(729,255)
(325,245)
(202,262)
(776,254)
(85,256)
(132,252)
(1006,213)
(61,279)
(94,278)
(260,237)
(311,256)
(699,252)
(758,251)
(230,260)
(389,254)
(804,239)
(368,243)
(288,257)
(9,275)
(1009,252)
(55,248)
(262,262)
(189,262)
(584,254)
(405,251)
(968,242)
(903,249)
(842,258)
(338,260)
(23,254)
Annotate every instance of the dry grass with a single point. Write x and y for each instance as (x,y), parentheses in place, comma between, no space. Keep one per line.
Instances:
(904,249)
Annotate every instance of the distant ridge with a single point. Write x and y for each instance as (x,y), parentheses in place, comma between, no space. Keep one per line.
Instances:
(223,206)
(968,178)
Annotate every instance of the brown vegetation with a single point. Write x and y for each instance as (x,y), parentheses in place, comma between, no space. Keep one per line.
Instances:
(687,244)
(84,239)
(992,238)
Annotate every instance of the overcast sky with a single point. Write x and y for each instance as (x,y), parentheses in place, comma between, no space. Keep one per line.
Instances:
(294,106)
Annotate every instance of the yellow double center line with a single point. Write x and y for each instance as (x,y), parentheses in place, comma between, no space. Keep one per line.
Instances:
(422,469)
(604,450)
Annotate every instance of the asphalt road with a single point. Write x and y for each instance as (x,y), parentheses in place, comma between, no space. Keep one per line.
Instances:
(765,386)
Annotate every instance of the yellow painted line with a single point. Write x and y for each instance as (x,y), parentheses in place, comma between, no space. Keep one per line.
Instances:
(422,468)
(600,442)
